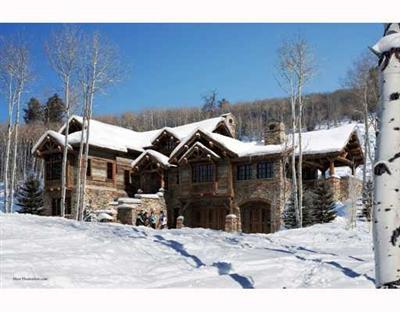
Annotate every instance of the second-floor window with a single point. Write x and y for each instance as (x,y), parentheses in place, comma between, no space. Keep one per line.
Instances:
(202,173)
(53,170)
(110,171)
(265,170)
(244,172)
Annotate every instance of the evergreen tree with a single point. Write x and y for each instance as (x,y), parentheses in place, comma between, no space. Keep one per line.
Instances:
(30,196)
(309,207)
(54,110)
(289,215)
(367,199)
(324,207)
(33,112)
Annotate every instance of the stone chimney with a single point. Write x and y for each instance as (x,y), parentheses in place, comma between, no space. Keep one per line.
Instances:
(274,133)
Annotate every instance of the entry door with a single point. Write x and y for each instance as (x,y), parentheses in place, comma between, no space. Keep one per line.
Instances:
(254,220)
(209,217)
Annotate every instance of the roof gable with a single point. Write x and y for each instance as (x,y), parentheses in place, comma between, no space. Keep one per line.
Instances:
(198,150)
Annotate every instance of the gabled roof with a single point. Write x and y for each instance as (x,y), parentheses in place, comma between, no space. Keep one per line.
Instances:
(50,134)
(183,131)
(122,139)
(202,147)
(161,158)
(239,148)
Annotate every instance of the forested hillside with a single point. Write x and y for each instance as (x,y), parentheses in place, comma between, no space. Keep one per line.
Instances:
(320,108)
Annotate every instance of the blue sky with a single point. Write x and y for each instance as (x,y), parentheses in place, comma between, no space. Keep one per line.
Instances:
(173,65)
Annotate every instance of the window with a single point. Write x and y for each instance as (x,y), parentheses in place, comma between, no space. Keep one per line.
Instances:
(53,170)
(202,173)
(126,177)
(56,207)
(265,170)
(68,205)
(244,172)
(89,168)
(110,171)
(310,173)
(170,145)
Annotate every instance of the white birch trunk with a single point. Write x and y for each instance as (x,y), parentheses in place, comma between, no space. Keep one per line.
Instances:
(294,173)
(300,160)
(8,145)
(79,172)
(65,151)
(15,152)
(386,214)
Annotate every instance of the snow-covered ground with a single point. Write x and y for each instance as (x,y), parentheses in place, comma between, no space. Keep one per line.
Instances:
(53,252)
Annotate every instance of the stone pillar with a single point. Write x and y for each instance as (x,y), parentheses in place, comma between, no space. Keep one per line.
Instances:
(179,222)
(334,183)
(231,223)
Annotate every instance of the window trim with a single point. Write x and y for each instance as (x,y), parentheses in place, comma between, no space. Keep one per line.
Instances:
(205,177)
(262,173)
(246,174)
(49,170)
(108,170)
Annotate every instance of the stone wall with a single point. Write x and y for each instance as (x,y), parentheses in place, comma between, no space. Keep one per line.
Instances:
(129,208)
(270,191)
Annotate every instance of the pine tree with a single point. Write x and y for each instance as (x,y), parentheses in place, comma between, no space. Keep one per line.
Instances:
(30,196)
(33,112)
(367,199)
(289,215)
(309,207)
(324,207)
(54,110)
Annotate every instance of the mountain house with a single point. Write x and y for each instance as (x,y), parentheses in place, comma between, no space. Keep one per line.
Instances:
(199,171)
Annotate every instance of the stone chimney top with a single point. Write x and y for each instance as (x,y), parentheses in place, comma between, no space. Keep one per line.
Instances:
(274,133)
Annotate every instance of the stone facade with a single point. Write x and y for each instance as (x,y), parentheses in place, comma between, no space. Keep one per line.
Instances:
(203,183)
(129,208)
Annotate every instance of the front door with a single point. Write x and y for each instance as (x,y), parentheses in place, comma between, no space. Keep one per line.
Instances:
(255,218)
(208,217)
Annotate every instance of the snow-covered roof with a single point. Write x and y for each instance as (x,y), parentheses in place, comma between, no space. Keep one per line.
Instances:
(121,139)
(325,141)
(57,137)
(386,43)
(112,137)
(203,147)
(183,131)
(158,156)
(241,149)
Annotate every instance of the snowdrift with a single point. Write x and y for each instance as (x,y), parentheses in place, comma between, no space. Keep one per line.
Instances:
(52,252)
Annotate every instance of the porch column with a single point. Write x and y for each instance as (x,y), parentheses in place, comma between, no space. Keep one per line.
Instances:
(332,168)
(162,179)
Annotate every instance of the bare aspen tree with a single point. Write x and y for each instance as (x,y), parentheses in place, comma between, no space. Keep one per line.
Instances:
(7,72)
(63,53)
(304,68)
(14,74)
(287,81)
(99,68)
(296,67)
(386,212)
(361,79)
(22,75)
